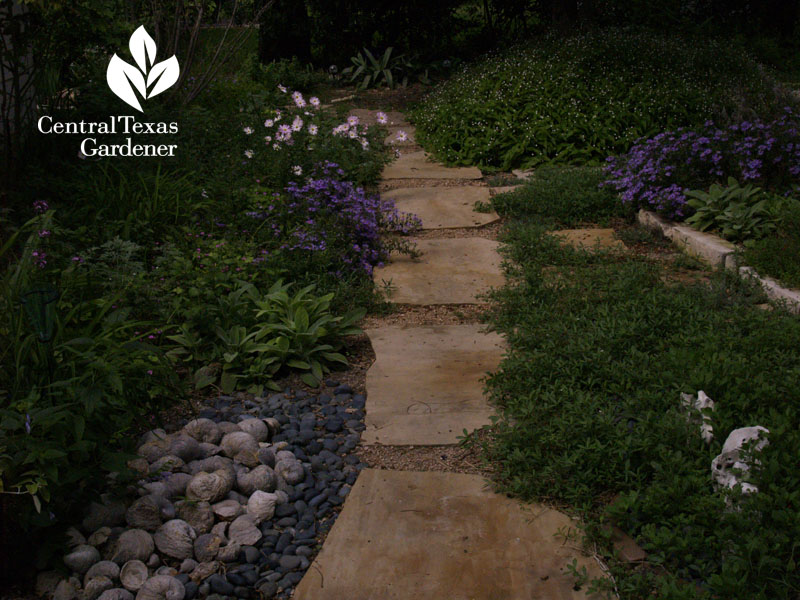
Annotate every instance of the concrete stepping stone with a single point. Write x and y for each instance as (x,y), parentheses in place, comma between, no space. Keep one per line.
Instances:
(369,117)
(450,271)
(431,536)
(425,387)
(444,207)
(416,165)
(411,133)
(589,239)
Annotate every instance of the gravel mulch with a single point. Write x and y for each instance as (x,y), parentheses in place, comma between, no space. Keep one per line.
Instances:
(490,232)
(413,315)
(393,184)
(450,459)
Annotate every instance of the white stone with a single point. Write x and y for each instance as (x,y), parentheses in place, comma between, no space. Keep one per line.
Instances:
(700,404)
(729,468)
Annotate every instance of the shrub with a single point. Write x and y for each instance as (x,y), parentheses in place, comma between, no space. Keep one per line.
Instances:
(77,376)
(290,141)
(656,173)
(579,99)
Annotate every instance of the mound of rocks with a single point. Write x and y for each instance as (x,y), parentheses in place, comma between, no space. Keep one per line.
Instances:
(234,504)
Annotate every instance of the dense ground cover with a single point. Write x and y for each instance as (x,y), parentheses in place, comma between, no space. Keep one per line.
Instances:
(601,347)
(580,98)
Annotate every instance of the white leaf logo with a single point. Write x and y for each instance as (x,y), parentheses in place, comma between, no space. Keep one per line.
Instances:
(125,79)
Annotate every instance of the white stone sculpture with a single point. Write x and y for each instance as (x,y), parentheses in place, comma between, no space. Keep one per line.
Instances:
(729,468)
(699,404)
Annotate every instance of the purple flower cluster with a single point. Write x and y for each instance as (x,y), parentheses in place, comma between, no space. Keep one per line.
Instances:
(656,172)
(328,214)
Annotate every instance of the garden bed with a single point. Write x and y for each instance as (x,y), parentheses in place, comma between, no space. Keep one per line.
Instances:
(719,253)
(602,343)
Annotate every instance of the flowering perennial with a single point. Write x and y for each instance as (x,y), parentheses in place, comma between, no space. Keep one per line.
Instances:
(328,214)
(656,172)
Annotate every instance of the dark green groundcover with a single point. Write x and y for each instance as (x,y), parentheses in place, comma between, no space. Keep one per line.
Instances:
(600,350)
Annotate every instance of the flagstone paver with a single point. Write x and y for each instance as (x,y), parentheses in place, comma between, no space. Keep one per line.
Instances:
(416,165)
(411,136)
(444,207)
(590,238)
(370,117)
(425,387)
(434,536)
(450,271)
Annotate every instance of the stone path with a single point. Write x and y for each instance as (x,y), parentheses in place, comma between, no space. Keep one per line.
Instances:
(426,536)
(439,371)
(434,535)
(450,271)
(444,207)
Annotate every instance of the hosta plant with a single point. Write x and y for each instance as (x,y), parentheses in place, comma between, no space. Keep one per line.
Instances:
(739,213)
(264,334)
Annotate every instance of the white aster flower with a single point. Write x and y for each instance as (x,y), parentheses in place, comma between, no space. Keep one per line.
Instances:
(248,130)
(297,170)
(248,153)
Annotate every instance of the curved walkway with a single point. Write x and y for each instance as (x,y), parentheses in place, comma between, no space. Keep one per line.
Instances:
(432,535)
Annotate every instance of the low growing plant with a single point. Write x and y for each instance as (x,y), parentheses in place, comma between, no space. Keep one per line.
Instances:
(579,98)
(256,336)
(739,213)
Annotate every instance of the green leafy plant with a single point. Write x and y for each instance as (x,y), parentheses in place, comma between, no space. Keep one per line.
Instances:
(388,70)
(257,335)
(313,334)
(77,375)
(739,213)
(580,98)
(608,333)
(778,255)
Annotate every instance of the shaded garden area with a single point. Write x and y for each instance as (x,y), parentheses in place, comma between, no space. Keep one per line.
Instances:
(137,289)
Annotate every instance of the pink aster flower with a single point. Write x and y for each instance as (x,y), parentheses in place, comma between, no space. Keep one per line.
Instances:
(298,99)
(382,118)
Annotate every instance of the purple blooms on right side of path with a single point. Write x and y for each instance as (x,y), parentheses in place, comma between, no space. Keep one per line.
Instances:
(656,172)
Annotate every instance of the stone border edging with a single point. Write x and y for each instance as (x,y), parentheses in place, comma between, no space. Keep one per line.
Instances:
(718,253)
